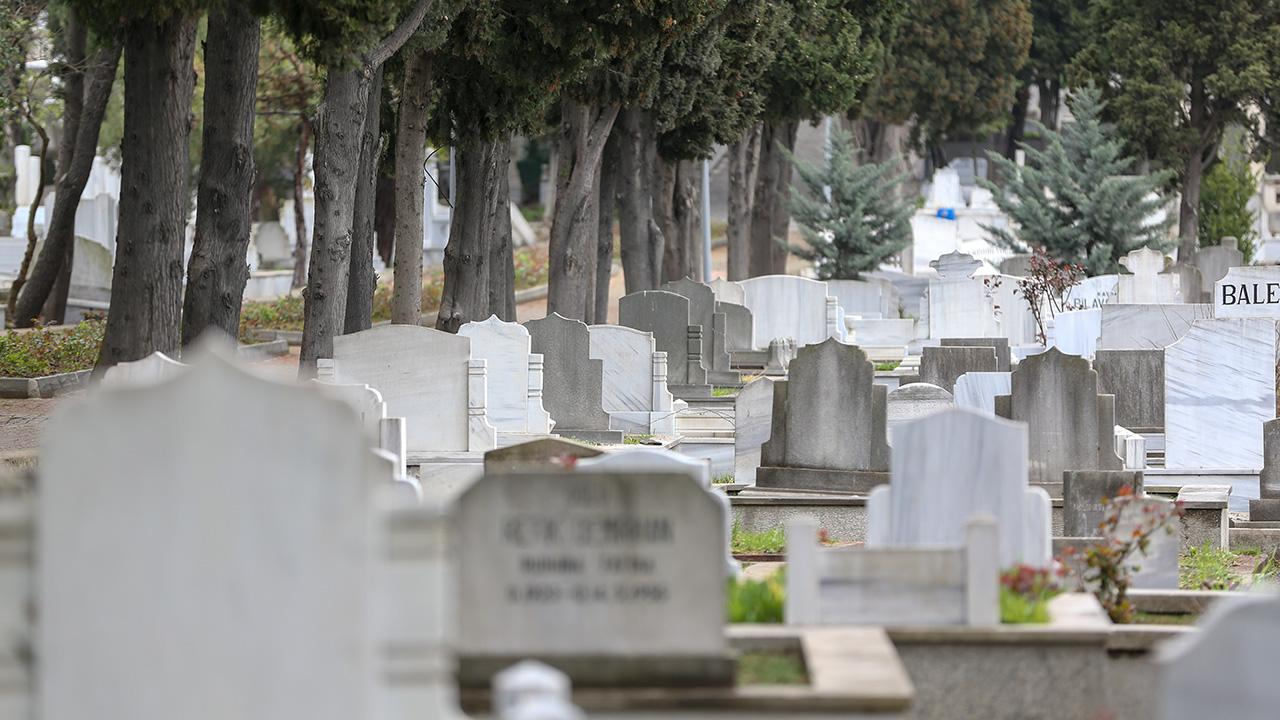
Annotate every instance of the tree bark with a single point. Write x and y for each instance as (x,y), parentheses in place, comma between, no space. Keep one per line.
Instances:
(1050,89)
(299,209)
(384,212)
(411,154)
(664,214)
(480,213)
(502,269)
(339,128)
(584,129)
(146,284)
(46,279)
(32,238)
(608,184)
(635,200)
(688,216)
(217,272)
(1193,173)
(361,282)
(770,217)
(72,74)
(744,163)
(1017,123)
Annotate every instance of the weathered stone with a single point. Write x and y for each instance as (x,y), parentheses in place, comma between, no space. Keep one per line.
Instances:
(752,415)
(1267,506)
(634,390)
(666,315)
(739,326)
(538,455)
(978,391)
(572,381)
(788,306)
(505,348)
(1146,283)
(912,402)
(1190,282)
(869,297)
(1145,327)
(1083,492)
(702,312)
(1057,396)
(1136,378)
(1000,344)
(1248,292)
(1214,262)
(942,365)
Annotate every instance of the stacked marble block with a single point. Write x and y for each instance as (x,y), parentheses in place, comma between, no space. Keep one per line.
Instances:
(872,317)
(514,379)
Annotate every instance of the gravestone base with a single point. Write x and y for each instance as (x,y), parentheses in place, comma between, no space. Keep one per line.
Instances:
(724,377)
(748,359)
(656,671)
(849,481)
(690,392)
(604,437)
(1266,509)
(1053,488)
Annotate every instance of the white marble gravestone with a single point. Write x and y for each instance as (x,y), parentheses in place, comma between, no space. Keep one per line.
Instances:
(979,390)
(1092,292)
(1219,388)
(634,390)
(789,306)
(950,467)
(220,584)
(752,419)
(154,368)
(1226,667)
(1147,327)
(727,291)
(425,376)
(867,298)
(1146,283)
(513,377)
(959,303)
(1076,332)
(1252,292)
(913,401)
(1214,262)
(1157,567)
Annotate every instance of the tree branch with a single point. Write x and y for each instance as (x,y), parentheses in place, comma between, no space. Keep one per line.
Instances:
(398,37)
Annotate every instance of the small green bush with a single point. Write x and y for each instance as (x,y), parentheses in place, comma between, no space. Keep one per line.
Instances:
(51,350)
(1025,593)
(755,543)
(1207,568)
(758,601)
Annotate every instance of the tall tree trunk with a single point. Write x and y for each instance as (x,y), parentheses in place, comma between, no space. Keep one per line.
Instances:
(608,184)
(664,214)
(32,238)
(72,74)
(1017,123)
(299,207)
(502,268)
(584,129)
(744,163)
(770,217)
(146,284)
(635,200)
(360,284)
(45,281)
(689,216)
(340,124)
(384,211)
(217,272)
(480,213)
(1050,92)
(411,154)
(1193,174)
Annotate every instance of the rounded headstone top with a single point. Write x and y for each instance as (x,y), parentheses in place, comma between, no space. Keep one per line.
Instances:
(526,680)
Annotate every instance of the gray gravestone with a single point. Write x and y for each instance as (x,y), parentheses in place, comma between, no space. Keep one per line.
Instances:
(942,365)
(540,454)
(1057,396)
(912,402)
(666,315)
(610,577)
(1267,507)
(752,412)
(1016,266)
(1214,262)
(572,383)
(829,419)
(738,326)
(702,311)
(1083,491)
(1001,345)
(1136,378)
(1155,568)
(1107,457)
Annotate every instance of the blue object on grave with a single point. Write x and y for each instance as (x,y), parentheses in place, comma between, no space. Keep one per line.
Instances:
(947,213)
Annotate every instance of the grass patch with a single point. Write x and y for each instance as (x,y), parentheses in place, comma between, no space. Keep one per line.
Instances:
(758,543)
(1207,568)
(533,213)
(888,366)
(723,391)
(51,350)
(1145,618)
(758,601)
(726,479)
(762,667)
(636,439)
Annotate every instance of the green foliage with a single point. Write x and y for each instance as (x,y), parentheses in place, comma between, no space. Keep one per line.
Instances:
(1224,202)
(1207,568)
(758,601)
(1176,72)
(723,391)
(1060,30)
(1025,593)
(954,67)
(827,54)
(50,350)
(1074,198)
(865,222)
(726,479)
(761,667)
(888,366)
(765,542)
(335,33)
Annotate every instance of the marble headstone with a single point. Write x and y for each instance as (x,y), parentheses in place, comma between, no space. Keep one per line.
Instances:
(914,401)
(1093,292)
(727,291)
(634,392)
(828,424)
(1146,283)
(788,306)
(1136,378)
(702,312)
(869,297)
(1156,568)
(739,326)
(1190,282)
(959,304)
(752,418)
(543,454)
(1057,396)
(942,365)
(950,467)
(1214,262)
(1076,332)
(1267,506)
(666,315)
(572,381)
(505,346)
(1145,327)
(154,368)
(1083,492)
(978,391)
(1219,389)
(1000,344)
(599,574)
(1252,292)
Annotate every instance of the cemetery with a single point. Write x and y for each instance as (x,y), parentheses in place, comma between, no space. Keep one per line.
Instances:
(426,360)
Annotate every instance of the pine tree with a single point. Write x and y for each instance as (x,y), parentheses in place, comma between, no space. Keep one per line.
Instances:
(861,224)
(1074,198)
